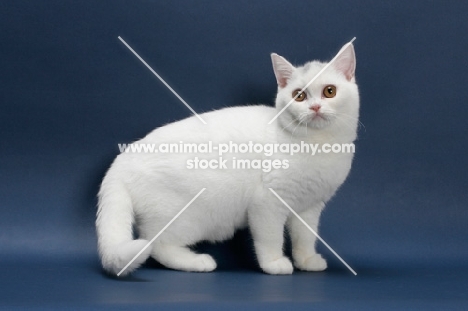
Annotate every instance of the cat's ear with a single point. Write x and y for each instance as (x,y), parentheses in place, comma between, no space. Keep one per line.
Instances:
(346,62)
(282,68)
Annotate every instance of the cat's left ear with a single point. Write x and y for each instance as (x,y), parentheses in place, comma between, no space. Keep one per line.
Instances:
(282,68)
(346,62)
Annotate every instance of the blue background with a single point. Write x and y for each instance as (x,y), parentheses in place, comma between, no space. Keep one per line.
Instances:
(70,91)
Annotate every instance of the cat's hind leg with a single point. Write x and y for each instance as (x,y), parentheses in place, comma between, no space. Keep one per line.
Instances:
(182,258)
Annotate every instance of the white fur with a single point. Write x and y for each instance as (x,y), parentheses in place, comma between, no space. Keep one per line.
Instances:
(145,191)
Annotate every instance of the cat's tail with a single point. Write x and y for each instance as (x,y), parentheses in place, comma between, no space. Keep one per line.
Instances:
(114,226)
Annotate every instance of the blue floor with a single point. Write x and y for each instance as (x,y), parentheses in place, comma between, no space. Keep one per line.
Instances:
(78,283)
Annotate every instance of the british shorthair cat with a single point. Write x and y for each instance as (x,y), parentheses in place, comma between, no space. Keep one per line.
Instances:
(142,192)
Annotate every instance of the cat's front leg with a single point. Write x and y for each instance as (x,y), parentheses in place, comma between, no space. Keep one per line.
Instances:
(267,227)
(303,241)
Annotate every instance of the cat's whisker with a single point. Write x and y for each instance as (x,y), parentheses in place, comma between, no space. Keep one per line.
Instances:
(347,124)
(352,118)
(304,117)
(343,120)
(284,128)
(300,119)
(297,126)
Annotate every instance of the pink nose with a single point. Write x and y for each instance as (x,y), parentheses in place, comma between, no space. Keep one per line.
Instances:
(315,108)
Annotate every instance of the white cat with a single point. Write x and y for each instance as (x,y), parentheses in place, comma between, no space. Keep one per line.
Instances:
(144,191)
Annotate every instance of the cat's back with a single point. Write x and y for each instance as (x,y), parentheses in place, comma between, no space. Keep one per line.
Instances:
(231,123)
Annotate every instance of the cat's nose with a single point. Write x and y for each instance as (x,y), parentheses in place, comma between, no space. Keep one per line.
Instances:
(315,107)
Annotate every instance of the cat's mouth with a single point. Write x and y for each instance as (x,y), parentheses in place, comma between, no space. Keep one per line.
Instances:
(319,120)
(317,116)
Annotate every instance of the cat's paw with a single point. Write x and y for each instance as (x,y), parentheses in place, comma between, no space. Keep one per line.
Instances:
(202,263)
(279,266)
(312,263)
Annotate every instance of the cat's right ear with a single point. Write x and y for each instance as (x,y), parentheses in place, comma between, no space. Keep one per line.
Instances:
(282,68)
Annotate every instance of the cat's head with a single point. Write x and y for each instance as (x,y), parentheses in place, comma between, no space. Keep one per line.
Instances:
(330,102)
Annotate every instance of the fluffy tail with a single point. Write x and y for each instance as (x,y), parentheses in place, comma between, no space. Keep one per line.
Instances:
(114,226)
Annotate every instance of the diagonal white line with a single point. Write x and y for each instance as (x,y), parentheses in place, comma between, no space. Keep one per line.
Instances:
(160,232)
(313,79)
(313,231)
(162,80)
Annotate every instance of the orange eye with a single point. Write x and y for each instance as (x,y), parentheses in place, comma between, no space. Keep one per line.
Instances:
(300,97)
(329,91)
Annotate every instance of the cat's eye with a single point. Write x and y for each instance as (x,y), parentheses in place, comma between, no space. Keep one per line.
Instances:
(329,91)
(300,95)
